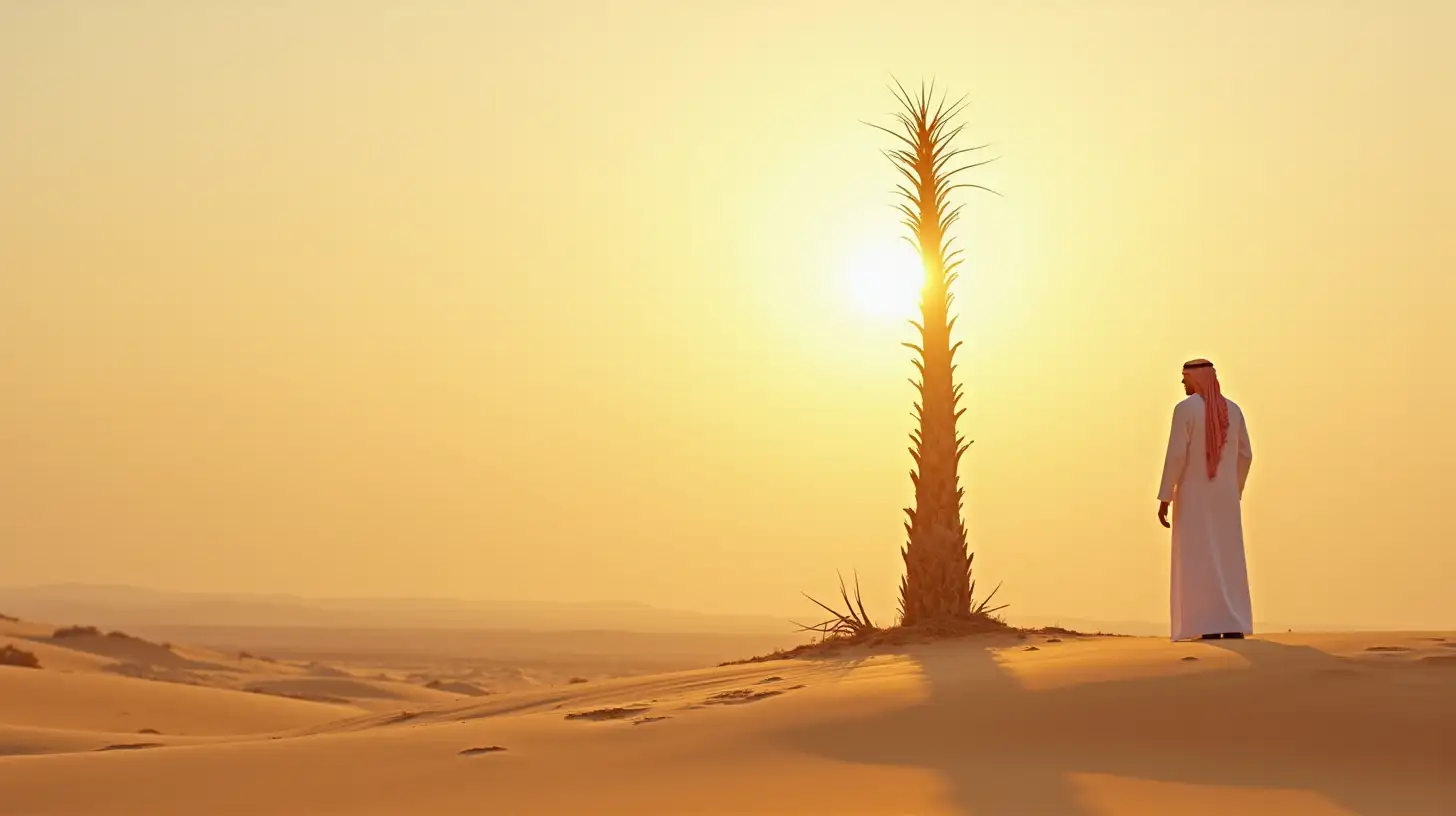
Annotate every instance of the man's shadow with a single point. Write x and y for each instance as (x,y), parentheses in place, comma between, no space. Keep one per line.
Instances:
(1004,749)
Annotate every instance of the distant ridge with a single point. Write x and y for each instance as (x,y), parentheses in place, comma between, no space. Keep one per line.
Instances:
(122,605)
(119,605)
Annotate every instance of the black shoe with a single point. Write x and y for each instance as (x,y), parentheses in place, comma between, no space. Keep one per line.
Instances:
(1212,637)
(1233,635)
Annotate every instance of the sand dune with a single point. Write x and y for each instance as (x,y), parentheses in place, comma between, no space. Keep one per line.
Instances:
(353,690)
(501,659)
(98,689)
(22,740)
(60,658)
(99,702)
(1289,725)
(119,646)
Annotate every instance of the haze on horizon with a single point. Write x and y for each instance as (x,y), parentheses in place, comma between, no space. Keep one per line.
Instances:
(557,300)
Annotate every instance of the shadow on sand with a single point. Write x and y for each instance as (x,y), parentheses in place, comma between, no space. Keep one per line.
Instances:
(1003,749)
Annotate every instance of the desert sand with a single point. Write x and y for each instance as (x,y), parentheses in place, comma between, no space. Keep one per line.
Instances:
(1316,724)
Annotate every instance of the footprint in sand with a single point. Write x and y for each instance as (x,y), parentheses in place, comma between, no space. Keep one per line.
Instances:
(774,679)
(130,746)
(1387,649)
(1449,645)
(1188,658)
(1439,660)
(608,713)
(645,720)
(1032,649)
(484,749)
(1053,640)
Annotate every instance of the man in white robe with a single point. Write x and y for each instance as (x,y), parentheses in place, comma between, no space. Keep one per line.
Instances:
(1203,481)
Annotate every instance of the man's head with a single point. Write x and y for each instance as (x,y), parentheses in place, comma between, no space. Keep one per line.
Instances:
(1200,378)
(1194,373)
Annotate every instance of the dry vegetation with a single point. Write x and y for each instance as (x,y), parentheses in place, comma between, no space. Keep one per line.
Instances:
(457,687)
(11,656)
(916,633)
(854,627)
(75,631)
(66,632)
(855,623)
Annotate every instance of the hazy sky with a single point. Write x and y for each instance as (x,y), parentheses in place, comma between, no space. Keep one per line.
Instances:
(557,300)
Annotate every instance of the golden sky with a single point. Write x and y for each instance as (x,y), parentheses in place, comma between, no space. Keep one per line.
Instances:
(557,300)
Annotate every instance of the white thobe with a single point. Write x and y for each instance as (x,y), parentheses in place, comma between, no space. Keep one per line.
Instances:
(1210,582)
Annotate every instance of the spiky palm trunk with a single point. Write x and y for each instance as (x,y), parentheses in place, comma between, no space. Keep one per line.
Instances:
(937,583)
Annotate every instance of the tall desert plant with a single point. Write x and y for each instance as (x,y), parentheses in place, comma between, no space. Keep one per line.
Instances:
(937,585)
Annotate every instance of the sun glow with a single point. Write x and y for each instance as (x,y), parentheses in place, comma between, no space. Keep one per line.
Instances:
(884,280)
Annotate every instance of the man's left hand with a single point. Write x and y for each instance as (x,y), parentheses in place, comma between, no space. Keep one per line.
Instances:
(1163,514)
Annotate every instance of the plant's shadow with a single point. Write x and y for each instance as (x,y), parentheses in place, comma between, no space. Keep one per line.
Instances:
(1004,749)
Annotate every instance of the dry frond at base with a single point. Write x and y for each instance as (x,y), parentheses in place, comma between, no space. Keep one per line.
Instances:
(854,622)
(980,610)
(927,632)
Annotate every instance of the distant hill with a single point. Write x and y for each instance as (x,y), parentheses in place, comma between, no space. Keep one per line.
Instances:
(119,606)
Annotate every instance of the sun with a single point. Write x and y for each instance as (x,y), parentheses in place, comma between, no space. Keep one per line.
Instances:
(883,281)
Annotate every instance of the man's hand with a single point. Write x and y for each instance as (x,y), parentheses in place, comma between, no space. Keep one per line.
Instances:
(1163,514)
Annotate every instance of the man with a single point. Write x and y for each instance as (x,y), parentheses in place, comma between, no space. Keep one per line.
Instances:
(1203,480)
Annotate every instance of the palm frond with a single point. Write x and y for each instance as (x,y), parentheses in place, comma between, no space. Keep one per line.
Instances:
(984,608)
(853,622)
